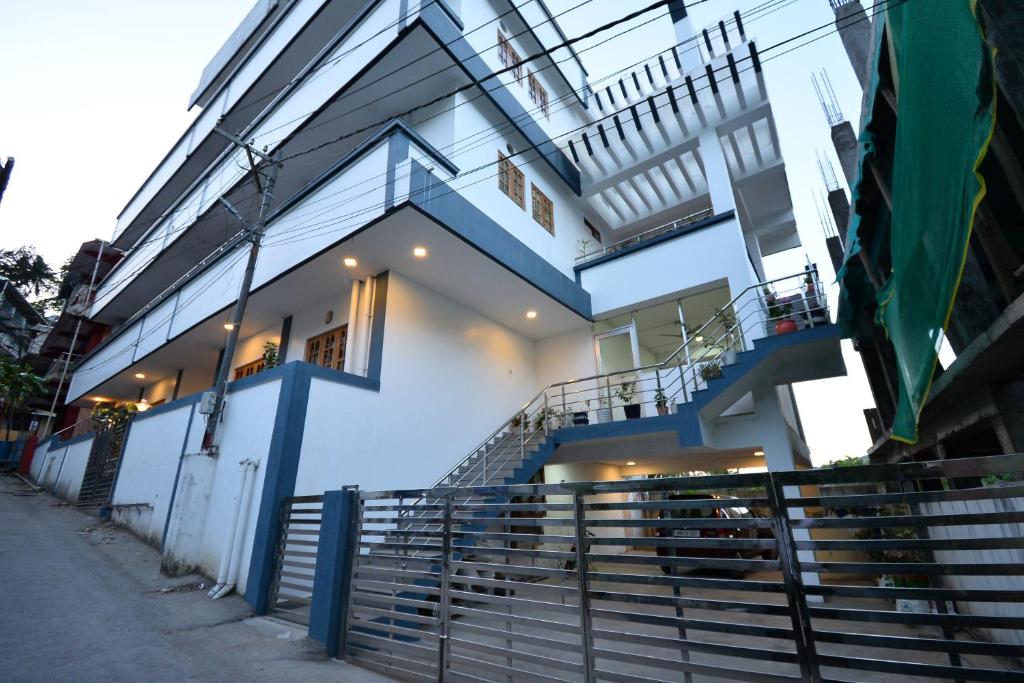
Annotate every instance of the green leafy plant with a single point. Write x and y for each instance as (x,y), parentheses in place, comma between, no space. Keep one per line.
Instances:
(849,461)
(108,415)
(18,386)
(711,370)
(545,414)
(270,355)
(660,398)
(625,392)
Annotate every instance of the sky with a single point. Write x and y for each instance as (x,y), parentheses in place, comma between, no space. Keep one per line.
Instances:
(95,93)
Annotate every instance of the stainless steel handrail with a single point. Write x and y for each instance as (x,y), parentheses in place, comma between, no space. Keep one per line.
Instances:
(646,234)
(525,414)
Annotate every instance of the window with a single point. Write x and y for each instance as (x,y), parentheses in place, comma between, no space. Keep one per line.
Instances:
(511,181)
(539,95)
(328,349)
(249,369)
(543,209)
(509,57)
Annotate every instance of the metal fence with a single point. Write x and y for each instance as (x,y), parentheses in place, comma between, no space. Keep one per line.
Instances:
(291,589)
(817,575)
(101,468)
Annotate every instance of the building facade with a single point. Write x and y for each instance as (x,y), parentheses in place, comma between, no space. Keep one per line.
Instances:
(479,267)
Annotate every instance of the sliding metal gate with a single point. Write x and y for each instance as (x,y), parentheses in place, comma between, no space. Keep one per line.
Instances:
(291,589)
(101,468)
(903,573)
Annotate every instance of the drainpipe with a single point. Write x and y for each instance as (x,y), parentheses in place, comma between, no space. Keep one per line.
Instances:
(236,550)
(353,319)
(366,326)
(229,540)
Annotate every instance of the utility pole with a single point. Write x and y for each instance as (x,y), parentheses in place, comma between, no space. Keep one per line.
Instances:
(5,175)
(272,165)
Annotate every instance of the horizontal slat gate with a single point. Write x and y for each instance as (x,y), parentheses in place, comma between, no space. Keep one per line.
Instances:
(903,573)
(292,588)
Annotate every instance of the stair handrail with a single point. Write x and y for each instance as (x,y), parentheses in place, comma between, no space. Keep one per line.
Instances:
(524,414)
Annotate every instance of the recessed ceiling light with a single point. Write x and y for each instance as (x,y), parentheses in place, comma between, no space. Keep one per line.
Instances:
(631,463)
(531,314)
(698,339)
(140,375)
(229,326)
(759,453)
(419,252)
(350,262)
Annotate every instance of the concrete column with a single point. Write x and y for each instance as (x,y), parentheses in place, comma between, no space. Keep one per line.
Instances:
(716,170)
(855,32)
(684,29)
(839,204)
(844,140)
(778,455)
(332,577)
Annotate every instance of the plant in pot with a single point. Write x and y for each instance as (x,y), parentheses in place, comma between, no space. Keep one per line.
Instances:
(518,420)
(711,370)
(661,401)
(625,393)
(604,411)
(899,556)
(548,416)
(780,314)
(270,355)
(727,328)
(582,417)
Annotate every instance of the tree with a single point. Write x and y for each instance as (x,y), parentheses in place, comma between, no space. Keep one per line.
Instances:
(18,385)
(27,270)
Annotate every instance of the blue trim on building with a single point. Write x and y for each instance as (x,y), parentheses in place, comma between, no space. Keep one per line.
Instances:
(332,577)
(168,407)
(449,209)
(282,464)
(177,476)
(675,233)
(465,55)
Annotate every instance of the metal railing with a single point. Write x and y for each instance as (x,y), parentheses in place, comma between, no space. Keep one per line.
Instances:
(813,575)
(765,309)
(587,255)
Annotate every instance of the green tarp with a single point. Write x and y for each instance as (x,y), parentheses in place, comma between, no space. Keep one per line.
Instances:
(946,96)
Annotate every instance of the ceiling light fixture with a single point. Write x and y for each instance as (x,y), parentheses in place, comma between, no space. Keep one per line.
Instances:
(698,339)
(419,252)
(229,326)
(759,454)
(631,463)
(531,314)
(140,375)
(350,262)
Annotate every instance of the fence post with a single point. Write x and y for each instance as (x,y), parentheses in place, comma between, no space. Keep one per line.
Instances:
(283,514)
(583,587)
(790,565)
(332,578)
(442,603)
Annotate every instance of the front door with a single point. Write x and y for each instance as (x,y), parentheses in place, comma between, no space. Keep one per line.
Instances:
(617,357)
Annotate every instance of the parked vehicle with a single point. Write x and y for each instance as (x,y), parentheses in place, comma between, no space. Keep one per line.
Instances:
(724,512)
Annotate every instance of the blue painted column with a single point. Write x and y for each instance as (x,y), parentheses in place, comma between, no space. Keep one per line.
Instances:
(332,578)
(280,469)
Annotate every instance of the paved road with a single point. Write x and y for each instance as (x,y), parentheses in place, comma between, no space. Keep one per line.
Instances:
(84,601)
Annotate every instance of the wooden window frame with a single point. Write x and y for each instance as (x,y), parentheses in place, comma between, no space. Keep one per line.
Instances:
(543,209)
(249,369)
(511,181)
(509,58)
(539,96)
(338,336)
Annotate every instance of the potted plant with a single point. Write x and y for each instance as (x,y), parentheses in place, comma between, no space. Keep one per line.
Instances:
(625,393)
(727,324)
(661,401)
(582,417)
(549,416)
(604,411)
(270,355)
(711,370)
(517,420)
(780,314)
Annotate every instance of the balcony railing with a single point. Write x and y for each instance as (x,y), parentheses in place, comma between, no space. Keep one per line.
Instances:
(586,254)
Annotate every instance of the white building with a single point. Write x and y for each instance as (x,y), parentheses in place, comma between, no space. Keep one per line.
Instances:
(446,246)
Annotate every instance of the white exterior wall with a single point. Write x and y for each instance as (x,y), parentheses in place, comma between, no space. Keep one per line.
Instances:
(309,322)
(450,376)
(41,460)
(208,487)
(691,261)
(347,59)
(69,482)
(148,465)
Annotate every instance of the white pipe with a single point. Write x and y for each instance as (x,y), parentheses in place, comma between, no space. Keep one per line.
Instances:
(353,315)
(229,540)
(365,323)
(236,550)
